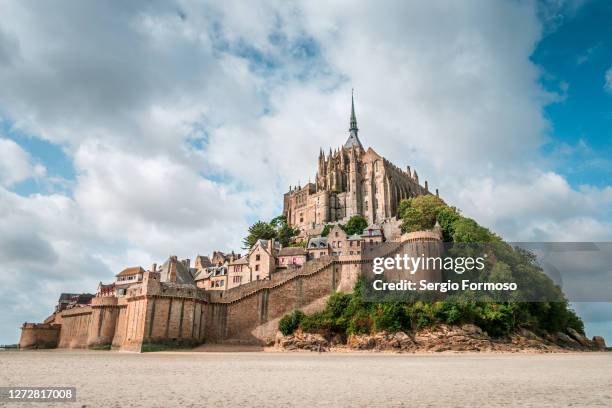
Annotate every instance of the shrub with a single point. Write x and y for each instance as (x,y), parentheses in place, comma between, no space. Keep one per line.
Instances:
(290,322)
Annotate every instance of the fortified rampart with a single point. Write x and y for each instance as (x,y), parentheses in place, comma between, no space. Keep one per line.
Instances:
(155,312)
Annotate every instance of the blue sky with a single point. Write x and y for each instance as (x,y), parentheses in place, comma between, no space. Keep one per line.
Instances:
(134,131)
(574,58)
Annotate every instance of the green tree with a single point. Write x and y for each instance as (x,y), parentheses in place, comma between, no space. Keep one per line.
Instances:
(277,228)
(355,225)
(420,213)
(468,230)
(257,231)
(284,233)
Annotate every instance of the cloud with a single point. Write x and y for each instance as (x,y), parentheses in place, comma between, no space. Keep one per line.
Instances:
(16,164)
(187,121)
(608,79)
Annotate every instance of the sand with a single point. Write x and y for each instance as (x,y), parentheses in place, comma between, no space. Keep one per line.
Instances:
(188,379)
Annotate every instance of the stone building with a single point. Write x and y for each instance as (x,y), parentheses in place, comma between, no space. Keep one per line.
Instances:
(349,181)
(340,243)
(317,247)
(291,257)
(126,278)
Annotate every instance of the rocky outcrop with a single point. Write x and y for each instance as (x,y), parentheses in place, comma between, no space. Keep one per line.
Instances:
(302,341)
(466,338)
(599,343)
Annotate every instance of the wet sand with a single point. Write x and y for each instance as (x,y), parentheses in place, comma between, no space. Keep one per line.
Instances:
(188,379)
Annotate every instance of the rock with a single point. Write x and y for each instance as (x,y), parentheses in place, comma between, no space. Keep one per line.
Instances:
(361,342)
(471,329)
(579,338)
(564,340)
(405,341)
(336,340)
(599,343)
(528,334)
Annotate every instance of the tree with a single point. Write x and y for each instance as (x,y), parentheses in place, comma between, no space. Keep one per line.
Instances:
(355,225)
(257,231)
(277,229)
(420,213)
(468,230)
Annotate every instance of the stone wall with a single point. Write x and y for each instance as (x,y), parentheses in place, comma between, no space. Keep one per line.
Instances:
(75,327)
(155,312)
(39,335)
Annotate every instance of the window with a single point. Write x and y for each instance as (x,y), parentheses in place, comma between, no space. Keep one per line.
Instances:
(257,257)
(237,279)
(257,267)
(339,244)
(336,234)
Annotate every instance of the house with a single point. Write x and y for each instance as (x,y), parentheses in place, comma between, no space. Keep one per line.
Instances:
(291,257)
(340,243)
(239,272)
(126,278)
(372,234)
(176,271)
(262,258)
(317,247)
(71,300)
(106,290)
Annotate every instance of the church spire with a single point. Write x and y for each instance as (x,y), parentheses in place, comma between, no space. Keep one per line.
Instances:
(353,118)
(353,140)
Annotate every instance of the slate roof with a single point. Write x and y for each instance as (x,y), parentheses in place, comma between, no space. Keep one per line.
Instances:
(372,231)
(183,273)
(317,242)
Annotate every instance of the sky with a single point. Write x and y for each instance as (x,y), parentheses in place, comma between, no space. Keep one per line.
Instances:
(130,131)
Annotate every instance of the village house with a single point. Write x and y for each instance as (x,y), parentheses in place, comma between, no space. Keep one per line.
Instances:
(239,272)
(70,300)
(291,257)
(340,243)
(317,247)
(128,277)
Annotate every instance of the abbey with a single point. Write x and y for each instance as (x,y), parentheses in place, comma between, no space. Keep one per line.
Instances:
(349,181)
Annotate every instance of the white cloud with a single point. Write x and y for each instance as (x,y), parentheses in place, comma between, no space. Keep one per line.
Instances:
(186,121)
(16,164)
(608,79)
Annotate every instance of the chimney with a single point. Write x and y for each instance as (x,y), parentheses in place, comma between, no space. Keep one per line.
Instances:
(153,267)
(270,245)
(437,194)
(426,186)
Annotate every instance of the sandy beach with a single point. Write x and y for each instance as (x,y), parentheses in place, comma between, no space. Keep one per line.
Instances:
(188,379)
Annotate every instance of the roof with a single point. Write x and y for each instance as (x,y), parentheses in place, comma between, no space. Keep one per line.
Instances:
(240,261)
(355,237)
(210,272)
(263,243)
(352,140)
(134,270)
(372,231)
(292,251)
(317,242)
(183,273)
(204,260)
